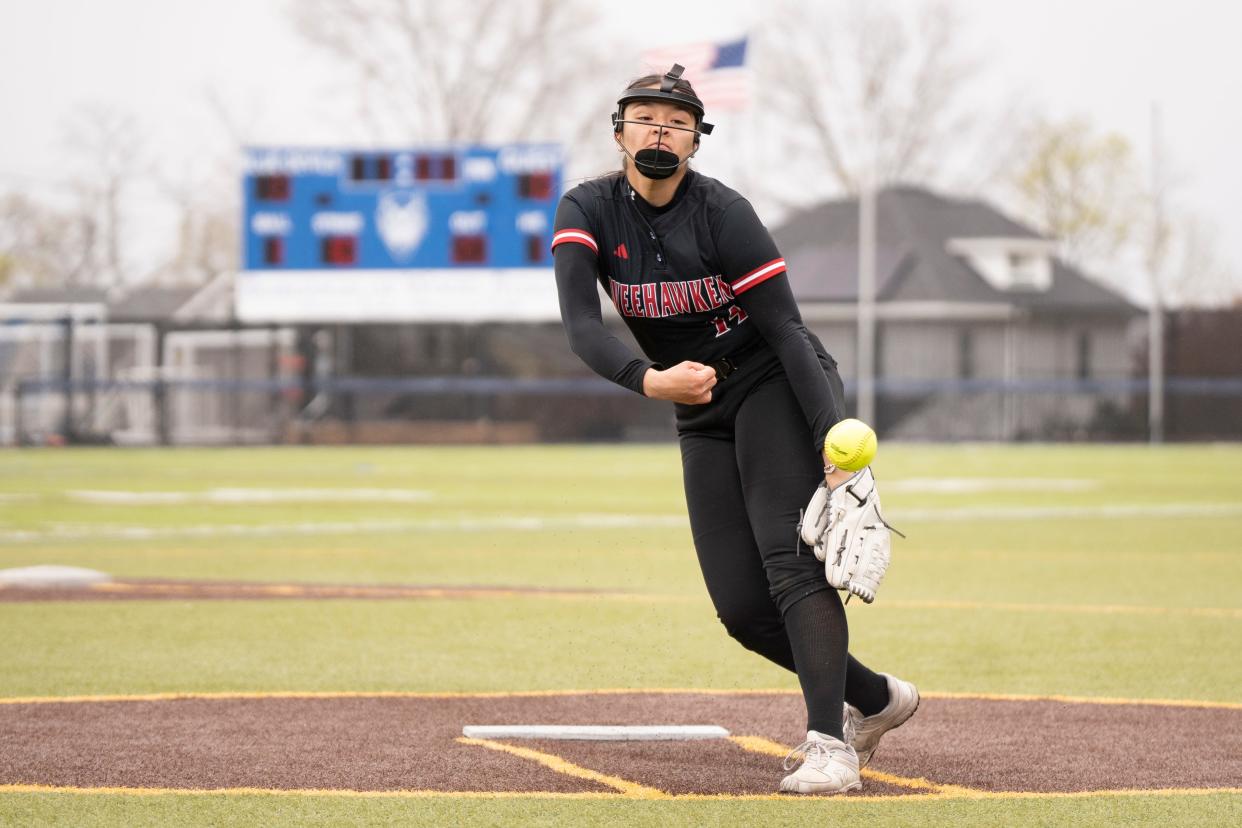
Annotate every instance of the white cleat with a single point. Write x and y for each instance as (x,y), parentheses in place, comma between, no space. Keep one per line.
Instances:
(828,766)
(863,732)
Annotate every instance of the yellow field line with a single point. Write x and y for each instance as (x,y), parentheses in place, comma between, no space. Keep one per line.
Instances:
(310,590)
(424,794)
(556,763)
(1020,697)
(387,694)
(1090,609)
(956,792)
(114,791)
(758,744)
(244,591)
(607,691)
(950,792)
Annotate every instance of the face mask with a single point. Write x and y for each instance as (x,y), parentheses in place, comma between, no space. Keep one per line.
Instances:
(656,164)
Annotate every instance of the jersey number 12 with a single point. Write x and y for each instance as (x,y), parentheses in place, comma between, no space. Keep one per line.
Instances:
(724,324)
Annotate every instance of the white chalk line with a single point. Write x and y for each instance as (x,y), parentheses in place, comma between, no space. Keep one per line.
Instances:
(17,497)
(1151,510)
(515,524)
(529,523)
(244,495)
(983,485)
(948,485)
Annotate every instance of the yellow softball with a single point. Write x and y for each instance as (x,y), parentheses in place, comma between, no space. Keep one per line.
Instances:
(850,445)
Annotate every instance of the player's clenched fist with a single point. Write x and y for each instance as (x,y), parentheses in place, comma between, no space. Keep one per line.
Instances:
(686,382)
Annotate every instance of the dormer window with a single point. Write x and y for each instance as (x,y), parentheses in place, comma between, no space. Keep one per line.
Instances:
(1025,269)
(1009,264)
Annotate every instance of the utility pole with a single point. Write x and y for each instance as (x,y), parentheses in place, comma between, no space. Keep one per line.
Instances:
(866,281)
(67,376)
(866,302)
(1155,308)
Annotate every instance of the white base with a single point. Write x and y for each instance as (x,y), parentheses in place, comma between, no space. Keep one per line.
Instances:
(602,733)
(51,576)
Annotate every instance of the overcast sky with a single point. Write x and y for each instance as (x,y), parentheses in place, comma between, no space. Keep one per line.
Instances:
(1109,60)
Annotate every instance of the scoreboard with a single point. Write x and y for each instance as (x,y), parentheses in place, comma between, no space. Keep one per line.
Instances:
(434,233)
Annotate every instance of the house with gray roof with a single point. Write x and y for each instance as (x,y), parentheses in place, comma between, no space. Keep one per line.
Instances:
(982,332)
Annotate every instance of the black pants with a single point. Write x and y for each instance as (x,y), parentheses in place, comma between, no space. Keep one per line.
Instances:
(746,478)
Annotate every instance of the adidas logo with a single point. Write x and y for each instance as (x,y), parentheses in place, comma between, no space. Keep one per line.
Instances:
(621,251)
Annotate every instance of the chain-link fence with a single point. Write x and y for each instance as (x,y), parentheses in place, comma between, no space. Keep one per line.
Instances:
(81,380)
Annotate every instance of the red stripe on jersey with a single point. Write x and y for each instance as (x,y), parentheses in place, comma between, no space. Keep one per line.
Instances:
(574,235)
(758,276)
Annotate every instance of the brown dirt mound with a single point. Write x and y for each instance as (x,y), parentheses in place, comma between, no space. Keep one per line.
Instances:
(410,743)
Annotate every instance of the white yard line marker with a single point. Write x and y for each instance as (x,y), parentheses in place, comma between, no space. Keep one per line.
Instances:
(1150,510)
(17,497)
(1089,609)
(516,524)
(241,495)
(596,733)
(529,523)
(979,485)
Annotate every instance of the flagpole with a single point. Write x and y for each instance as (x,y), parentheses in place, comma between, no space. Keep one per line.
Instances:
(747,122)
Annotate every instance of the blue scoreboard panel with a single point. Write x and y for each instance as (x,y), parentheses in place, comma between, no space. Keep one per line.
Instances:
(447,207)
(434,233)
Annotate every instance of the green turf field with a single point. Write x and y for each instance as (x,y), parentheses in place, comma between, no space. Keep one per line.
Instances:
(1084,571)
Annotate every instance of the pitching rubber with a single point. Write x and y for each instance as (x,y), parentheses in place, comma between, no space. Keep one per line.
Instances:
(596,733)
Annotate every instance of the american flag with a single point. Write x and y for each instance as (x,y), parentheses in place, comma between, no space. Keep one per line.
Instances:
(717,71)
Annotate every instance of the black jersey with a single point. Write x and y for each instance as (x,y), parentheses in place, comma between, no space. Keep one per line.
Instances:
(673,274)
(699,279)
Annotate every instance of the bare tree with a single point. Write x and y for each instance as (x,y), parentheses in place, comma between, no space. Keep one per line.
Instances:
(41,245)
(106,158)
(858,84)
(1085,189)
(82,230)
(1082,189)
(1197,274)
(207,242)
(473,70)
(1180,248)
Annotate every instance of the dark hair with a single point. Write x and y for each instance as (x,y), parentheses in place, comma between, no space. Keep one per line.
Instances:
(683,86)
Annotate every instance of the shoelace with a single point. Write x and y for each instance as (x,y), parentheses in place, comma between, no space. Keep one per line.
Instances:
(810,749)
(849,725)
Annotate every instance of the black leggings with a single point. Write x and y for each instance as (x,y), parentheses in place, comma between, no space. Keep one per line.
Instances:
(744,489)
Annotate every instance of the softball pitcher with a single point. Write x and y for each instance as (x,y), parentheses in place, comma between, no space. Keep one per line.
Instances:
(698,280)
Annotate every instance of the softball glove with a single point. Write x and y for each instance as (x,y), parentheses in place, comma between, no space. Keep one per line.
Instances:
(845,529)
